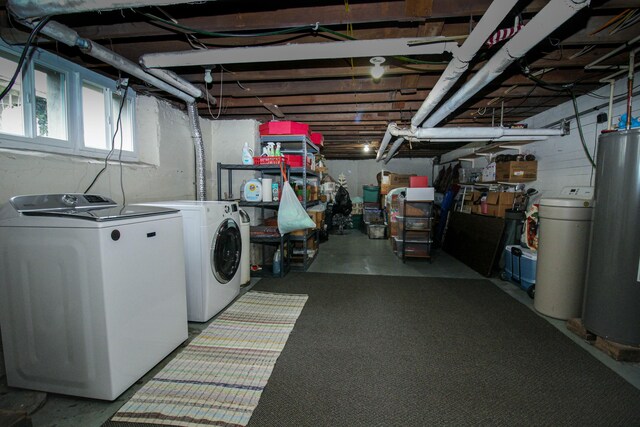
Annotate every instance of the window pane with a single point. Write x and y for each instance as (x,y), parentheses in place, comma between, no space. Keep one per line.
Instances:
(125,129)
(51,110)
(94,117)
(11,110)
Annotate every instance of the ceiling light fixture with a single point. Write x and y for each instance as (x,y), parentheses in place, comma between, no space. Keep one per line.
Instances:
(377,70)
(366,148)
(208,78)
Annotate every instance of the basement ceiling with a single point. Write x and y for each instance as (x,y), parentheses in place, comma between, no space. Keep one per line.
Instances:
(338,97)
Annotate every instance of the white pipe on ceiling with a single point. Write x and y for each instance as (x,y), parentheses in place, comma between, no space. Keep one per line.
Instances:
(471,132)
(552,16)
(300,51)
(28,9)
(494,15)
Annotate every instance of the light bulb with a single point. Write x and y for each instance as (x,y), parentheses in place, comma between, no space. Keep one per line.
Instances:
(366,148)
(377,70)
(208,78)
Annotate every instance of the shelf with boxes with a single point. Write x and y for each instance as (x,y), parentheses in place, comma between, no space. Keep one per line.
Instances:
(491,200)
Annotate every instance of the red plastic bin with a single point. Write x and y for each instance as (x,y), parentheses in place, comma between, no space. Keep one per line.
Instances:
(418,181)
(284,127)
(317,139)
(293,160)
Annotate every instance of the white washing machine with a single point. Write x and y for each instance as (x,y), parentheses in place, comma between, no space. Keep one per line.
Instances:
(212,248)
(92,294)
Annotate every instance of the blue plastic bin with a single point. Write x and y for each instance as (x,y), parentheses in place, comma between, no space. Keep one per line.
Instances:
(520,266)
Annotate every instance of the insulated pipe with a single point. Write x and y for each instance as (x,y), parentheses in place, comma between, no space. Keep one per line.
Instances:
(459,64)
(552,16)
(298,52)
(471,132)
(395,147)
(69,37)
(494,15)
(384,143)
(180,83)
(194,119)
(27,9)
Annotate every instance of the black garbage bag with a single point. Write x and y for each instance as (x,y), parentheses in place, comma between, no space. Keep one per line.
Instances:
(342,204)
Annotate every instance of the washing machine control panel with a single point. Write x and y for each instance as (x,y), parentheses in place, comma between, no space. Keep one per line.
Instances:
(60,202)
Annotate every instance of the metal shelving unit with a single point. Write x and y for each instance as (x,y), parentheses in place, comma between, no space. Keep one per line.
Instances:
(300,145)
(281,241)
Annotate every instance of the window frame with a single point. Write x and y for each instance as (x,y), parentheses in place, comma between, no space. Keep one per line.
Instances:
(74,76)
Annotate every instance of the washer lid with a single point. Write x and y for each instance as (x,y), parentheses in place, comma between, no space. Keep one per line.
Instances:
(567,203)
(106,214)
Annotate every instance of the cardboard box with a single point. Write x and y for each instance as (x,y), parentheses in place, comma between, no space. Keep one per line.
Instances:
(475,202)
(499,202)
(394,180)
(517,171)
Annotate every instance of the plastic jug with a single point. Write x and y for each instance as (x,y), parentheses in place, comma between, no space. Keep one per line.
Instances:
(253,191)
(247,154)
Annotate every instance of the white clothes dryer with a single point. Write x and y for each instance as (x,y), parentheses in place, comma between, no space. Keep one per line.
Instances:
(92,294)
(212,248)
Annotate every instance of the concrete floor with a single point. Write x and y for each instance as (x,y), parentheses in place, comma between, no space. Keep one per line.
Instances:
(352,253)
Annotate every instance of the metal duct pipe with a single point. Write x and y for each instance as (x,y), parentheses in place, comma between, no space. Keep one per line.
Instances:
(552,16)
(494,15)
(384,142)
(194,120)
(28,9)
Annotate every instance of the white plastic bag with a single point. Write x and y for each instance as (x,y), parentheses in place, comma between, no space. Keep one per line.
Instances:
(291,214)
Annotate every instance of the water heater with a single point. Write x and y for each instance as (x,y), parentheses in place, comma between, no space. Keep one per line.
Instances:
(612,295)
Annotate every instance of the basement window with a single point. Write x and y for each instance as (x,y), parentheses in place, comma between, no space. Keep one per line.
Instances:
(59,107)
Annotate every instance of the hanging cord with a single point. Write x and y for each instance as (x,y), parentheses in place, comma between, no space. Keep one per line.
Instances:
(219,101)
(113,139)
(23,56)
(579,125)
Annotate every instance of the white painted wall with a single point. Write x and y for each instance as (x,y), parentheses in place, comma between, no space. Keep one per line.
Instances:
(561,160)
(165,169)
(364,172)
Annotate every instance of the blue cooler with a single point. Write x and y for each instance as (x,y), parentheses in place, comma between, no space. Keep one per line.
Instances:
(520,267)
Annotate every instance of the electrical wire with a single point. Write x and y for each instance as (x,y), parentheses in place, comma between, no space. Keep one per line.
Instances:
(220,100)
(23,56)
(579,126)
(113,145)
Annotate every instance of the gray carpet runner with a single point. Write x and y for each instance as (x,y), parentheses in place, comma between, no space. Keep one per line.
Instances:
(410,351)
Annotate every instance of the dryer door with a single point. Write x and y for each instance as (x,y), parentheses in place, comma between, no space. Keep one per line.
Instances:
(226,249)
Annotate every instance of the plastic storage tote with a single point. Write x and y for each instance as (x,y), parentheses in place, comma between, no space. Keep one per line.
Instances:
(370,193)
(520,267)
(413,223)
(376,231)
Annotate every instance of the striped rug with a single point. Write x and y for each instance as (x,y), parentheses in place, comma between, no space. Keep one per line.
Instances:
(219,377)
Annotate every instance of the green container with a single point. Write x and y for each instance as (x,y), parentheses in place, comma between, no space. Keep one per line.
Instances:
(370,193)
(356,220)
